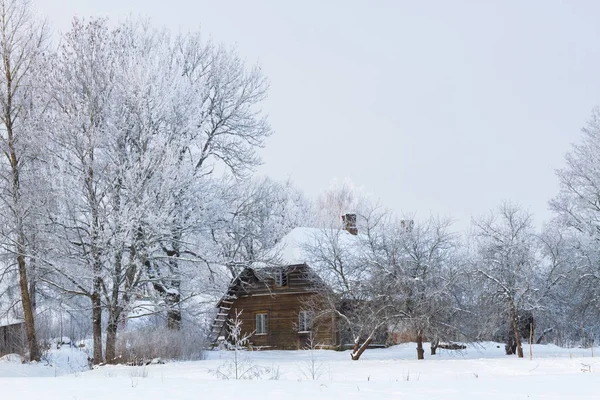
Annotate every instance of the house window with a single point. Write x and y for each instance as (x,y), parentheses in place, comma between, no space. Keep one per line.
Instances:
(305,321)
(262,323)
(281,278)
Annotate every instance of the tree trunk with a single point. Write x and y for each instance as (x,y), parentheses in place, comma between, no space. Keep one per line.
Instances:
(173,311)
(111,341)
(420,349)
(515,326)
(174,319)
(97,327)
(543,335)
(32,283)
(359,349)
(18,47)
(510,347)
(34,350)
(434,346)
(96,260)
(173,295)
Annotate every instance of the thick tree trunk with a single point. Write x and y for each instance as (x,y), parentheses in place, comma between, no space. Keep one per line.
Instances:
(173,311)
(510,347)
(169,290)
(15,46)
(97,262)
(174,319)
(420,349)
(34,350)
(515,326)
(111,342)
(173,295)
(97,327)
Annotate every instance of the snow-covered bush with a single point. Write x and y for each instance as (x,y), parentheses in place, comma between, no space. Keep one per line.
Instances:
(141,346)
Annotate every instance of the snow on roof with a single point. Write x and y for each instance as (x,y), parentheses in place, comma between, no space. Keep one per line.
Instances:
(294,248)
(9,320)
(317,248)
(291,248)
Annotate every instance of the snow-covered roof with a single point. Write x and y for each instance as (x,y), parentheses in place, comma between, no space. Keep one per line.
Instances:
(315,247)
(9,320)
(296,247)
(319,248)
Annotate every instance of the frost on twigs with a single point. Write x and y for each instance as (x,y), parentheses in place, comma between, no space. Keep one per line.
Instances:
(239,364)
(312,367)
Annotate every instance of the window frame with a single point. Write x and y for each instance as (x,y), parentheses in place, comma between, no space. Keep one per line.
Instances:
(305,321)
(280,273)
(264,324)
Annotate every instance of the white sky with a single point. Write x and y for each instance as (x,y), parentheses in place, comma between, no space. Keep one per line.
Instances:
(433,106)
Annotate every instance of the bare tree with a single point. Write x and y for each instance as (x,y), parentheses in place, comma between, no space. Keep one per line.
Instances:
(414,266)
(577,209)
(222,125)
(255,215)
(140,119)
(22,44)
(506,264)
(344,278)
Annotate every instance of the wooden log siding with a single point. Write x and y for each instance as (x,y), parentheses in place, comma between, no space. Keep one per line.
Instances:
(12,338)
(283,306)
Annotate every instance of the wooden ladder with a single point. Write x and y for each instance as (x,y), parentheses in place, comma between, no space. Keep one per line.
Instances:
(220,321)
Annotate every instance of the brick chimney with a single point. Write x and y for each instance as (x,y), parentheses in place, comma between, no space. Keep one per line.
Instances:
(407,225)
(349,221)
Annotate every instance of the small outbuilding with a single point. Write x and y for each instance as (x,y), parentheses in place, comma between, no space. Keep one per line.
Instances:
(12,336)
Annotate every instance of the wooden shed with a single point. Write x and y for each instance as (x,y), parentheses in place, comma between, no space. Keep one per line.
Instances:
(12,337)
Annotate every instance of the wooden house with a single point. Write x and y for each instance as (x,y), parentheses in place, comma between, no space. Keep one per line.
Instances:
(279,307)
(283,307)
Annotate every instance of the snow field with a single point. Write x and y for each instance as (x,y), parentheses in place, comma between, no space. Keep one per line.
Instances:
(481,372)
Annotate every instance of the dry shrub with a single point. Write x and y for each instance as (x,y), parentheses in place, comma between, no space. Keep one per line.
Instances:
(141,346)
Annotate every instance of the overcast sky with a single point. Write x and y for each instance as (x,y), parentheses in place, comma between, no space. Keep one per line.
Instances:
(446,107)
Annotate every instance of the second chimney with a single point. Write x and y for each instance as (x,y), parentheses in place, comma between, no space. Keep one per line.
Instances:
(350,223)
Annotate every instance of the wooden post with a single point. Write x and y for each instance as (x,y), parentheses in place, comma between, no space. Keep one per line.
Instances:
(530,341)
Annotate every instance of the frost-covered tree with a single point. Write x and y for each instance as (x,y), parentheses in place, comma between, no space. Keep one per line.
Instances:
(506,262)
(577,207)
(22,47)
(559,315)
(415,270)
(139,123)
(221,125)
(255,215)
(342,278)
(84,84)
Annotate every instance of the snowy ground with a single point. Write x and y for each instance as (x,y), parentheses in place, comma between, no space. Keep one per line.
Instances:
(483,372)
